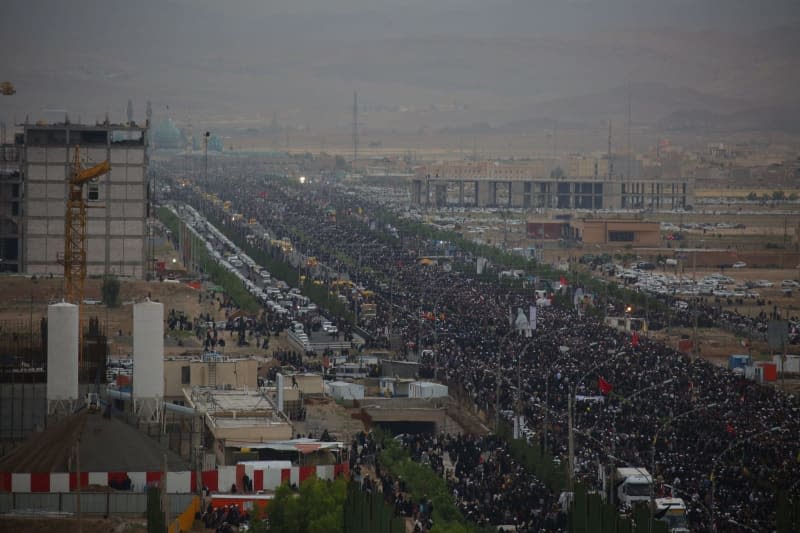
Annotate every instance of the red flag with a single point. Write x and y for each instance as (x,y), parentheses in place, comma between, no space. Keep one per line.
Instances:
(634,339)
(605,386)
(563,281)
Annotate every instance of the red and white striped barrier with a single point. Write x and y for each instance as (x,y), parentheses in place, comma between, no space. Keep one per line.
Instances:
(219,480)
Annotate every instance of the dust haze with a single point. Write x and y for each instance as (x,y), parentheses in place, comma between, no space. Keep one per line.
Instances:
(455,66)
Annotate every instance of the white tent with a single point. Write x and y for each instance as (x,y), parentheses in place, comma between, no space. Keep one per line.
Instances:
(426,389)
(341,390)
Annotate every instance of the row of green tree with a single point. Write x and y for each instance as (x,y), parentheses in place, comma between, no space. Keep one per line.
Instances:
(422,482)
(230,283)
(776,196)
(280,269)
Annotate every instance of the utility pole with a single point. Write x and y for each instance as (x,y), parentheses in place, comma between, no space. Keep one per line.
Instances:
(164,497)
(695,347)
(608,153)
(355,126)
(630,155)
(78,485)
(205,157)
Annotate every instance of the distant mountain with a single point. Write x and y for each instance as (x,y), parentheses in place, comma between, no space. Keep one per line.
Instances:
(785,119)
(445,64)
(648,103)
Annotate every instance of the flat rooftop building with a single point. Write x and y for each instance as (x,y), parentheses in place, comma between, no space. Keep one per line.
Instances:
(237,417)
(32,210)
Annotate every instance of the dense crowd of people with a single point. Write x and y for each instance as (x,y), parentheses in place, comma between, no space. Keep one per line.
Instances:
(225,519)
(489,486)
(725,444)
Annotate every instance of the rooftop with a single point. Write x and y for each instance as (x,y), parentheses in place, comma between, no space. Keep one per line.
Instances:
(133,126)
(236,408)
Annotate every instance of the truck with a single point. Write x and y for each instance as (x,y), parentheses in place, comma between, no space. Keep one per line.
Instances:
(739,361)
(633,485)
(673,512)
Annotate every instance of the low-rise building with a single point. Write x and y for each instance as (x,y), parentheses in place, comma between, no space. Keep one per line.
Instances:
(209,370)
(619,231)
(236,419)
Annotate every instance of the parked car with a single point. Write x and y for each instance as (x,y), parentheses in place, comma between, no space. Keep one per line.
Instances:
(739,264)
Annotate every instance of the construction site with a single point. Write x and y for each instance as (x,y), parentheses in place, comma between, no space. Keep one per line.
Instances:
(106,384)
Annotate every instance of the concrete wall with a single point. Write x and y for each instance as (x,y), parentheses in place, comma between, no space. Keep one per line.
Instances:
(237,373)
(308,383)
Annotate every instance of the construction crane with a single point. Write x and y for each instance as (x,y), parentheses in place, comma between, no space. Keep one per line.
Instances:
(74,258)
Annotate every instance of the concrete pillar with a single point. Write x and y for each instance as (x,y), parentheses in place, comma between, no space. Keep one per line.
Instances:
(461,193)
(572,192)
(440,194)
(482,193)
(416,192)
(493,193)
(517,194)
(427,193)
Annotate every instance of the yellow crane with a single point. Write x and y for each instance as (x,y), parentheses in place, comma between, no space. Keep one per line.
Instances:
(74,258)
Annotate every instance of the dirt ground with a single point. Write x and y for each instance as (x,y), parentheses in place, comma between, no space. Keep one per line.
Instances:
(26,298)
(324,413)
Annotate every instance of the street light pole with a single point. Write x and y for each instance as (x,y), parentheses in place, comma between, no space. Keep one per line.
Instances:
(436,328)
(497,385)
(720,456)
(653,453)
(571,415)
(518,406)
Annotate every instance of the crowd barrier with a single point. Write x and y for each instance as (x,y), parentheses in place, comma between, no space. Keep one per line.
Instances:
(220,480)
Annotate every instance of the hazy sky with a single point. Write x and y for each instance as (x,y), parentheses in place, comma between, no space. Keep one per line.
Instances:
(302,59)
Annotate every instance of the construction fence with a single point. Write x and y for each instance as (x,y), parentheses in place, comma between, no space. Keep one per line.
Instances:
(91,503)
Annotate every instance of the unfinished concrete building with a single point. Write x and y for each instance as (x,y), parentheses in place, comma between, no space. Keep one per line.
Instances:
(530,185)
(10,208)
(116,229)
